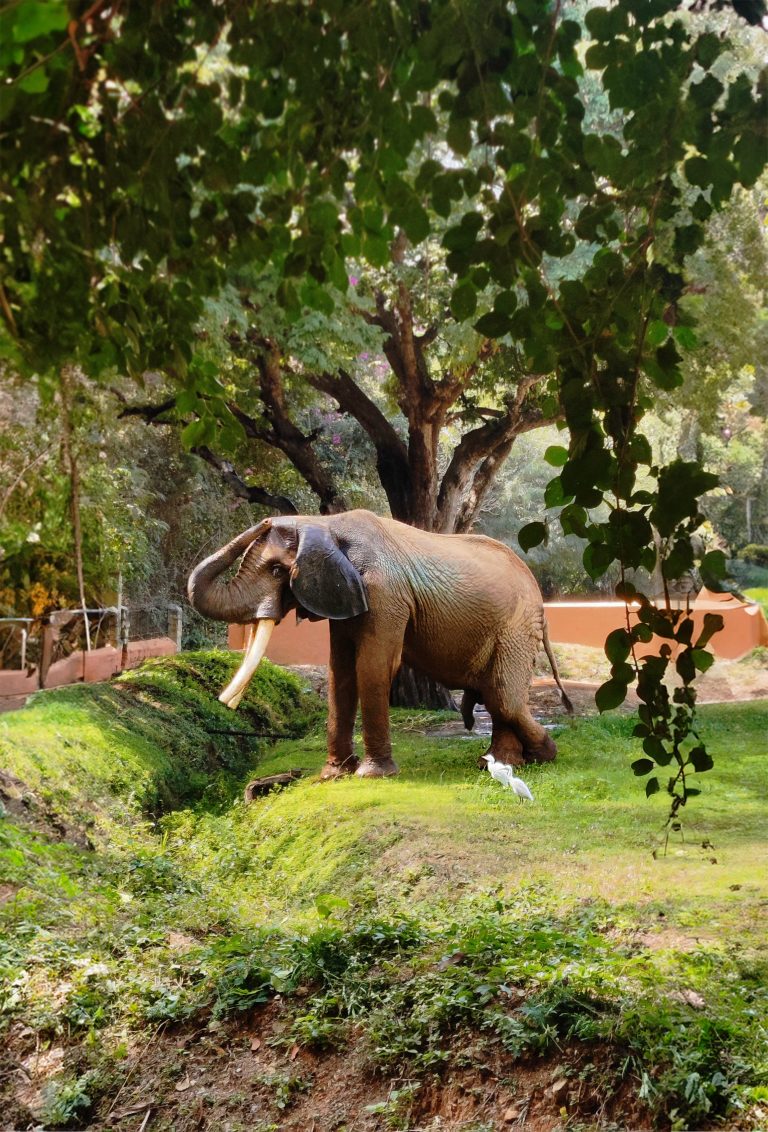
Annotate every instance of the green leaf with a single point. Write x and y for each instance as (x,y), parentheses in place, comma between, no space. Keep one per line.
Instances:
(702,659)
(459,136)
(326,904)
(554,495)
(686,336)
(414,220)
(35,82)
(618,646)
(194,433)
(39,17)
(700,759)
(323,215)
(681,484)
(697,170)
(685,667)
(714,565)
(657,333)
(713,623)
(463,301)
(654,747)
(642,766)
(493,325)
(556,455)
(532,534)
(610,695)
(597,558)
(652,787)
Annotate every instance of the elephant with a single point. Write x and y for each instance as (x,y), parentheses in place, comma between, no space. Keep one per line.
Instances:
(464,609)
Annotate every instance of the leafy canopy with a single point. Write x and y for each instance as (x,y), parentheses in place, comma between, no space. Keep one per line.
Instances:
(133,177)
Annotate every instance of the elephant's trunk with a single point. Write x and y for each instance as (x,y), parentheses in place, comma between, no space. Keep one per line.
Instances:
(209,595)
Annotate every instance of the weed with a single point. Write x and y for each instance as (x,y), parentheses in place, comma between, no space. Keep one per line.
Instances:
(67,1101)
(396,1109)
(317,1032)
(286,1088)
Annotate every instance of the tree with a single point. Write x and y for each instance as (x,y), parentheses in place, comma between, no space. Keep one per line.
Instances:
(439,404)
(131,193)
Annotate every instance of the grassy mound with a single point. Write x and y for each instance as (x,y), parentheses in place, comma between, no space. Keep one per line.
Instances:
(151,740)
(373,954)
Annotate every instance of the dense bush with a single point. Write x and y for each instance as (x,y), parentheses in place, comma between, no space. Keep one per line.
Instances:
(756,554)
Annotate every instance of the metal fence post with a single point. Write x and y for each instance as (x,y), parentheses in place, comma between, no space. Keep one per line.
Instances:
(123,633)
(175,625)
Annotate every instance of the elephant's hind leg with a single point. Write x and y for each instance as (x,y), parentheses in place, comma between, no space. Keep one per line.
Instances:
(538,744)
(505,743)
(506,698)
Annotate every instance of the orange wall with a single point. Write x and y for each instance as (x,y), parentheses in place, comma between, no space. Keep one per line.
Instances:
(291,643)
(570,622)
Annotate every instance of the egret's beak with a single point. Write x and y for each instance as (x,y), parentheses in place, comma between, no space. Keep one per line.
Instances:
(257,645)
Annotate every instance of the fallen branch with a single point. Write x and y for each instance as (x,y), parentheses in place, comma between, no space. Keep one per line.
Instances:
(264,785)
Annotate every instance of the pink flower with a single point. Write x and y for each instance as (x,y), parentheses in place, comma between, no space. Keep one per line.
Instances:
(353,280)
(336,439)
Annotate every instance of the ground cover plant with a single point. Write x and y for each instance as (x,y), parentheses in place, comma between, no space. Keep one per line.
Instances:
(369,954)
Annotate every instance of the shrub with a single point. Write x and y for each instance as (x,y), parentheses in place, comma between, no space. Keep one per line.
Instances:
(755,553)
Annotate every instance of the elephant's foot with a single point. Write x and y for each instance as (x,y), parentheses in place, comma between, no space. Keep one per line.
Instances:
(336,769)
(381,768)
(545,751)
(505,747)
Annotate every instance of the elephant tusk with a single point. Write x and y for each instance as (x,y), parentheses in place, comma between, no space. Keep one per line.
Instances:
(257,646)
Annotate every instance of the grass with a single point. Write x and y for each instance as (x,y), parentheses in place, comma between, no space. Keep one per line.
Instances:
(759,594)
(429,916)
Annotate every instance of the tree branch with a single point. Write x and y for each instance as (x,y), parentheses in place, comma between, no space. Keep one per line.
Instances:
(279,503)
(286,436)
(464,484)
(149,413)
(391,452)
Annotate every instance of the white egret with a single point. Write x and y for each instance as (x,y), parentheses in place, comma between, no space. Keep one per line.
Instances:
(506,776)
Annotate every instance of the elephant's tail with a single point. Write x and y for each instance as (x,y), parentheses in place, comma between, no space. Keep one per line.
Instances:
(548,648)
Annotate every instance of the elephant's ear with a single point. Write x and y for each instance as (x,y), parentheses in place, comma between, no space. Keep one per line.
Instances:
(323,580)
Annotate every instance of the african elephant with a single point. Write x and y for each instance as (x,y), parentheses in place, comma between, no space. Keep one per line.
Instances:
(462,608)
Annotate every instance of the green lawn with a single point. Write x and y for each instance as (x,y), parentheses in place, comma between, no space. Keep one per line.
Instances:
(346,897)
(759,594)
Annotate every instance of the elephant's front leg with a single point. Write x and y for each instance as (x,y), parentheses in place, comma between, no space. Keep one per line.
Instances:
(342,706)
(377,663)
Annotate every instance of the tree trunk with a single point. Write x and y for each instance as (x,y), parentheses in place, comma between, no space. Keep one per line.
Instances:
(413,689)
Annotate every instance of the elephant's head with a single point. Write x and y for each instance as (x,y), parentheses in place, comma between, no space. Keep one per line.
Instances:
(287,564)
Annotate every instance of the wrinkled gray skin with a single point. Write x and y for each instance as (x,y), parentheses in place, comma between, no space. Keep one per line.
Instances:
(462,608)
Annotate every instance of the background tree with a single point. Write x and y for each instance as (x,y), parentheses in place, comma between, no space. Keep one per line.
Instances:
(129,195)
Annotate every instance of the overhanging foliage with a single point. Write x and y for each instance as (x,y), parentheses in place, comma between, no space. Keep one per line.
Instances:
(148,148)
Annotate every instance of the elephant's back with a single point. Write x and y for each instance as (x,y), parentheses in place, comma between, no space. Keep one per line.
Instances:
(489,564)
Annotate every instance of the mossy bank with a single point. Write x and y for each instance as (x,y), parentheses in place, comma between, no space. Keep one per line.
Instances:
(415,953)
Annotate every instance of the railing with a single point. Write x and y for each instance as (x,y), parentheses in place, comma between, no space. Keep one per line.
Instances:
(73,645)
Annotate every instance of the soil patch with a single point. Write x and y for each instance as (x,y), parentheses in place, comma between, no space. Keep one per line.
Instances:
(249,1074)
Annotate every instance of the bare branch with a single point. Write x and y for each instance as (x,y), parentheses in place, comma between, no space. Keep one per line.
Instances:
(391,452)
(150,413)
(252,494)
(286,436)
(465,484)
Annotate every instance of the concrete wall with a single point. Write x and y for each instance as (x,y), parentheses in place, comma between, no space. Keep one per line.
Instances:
(570,622)
(79,667)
